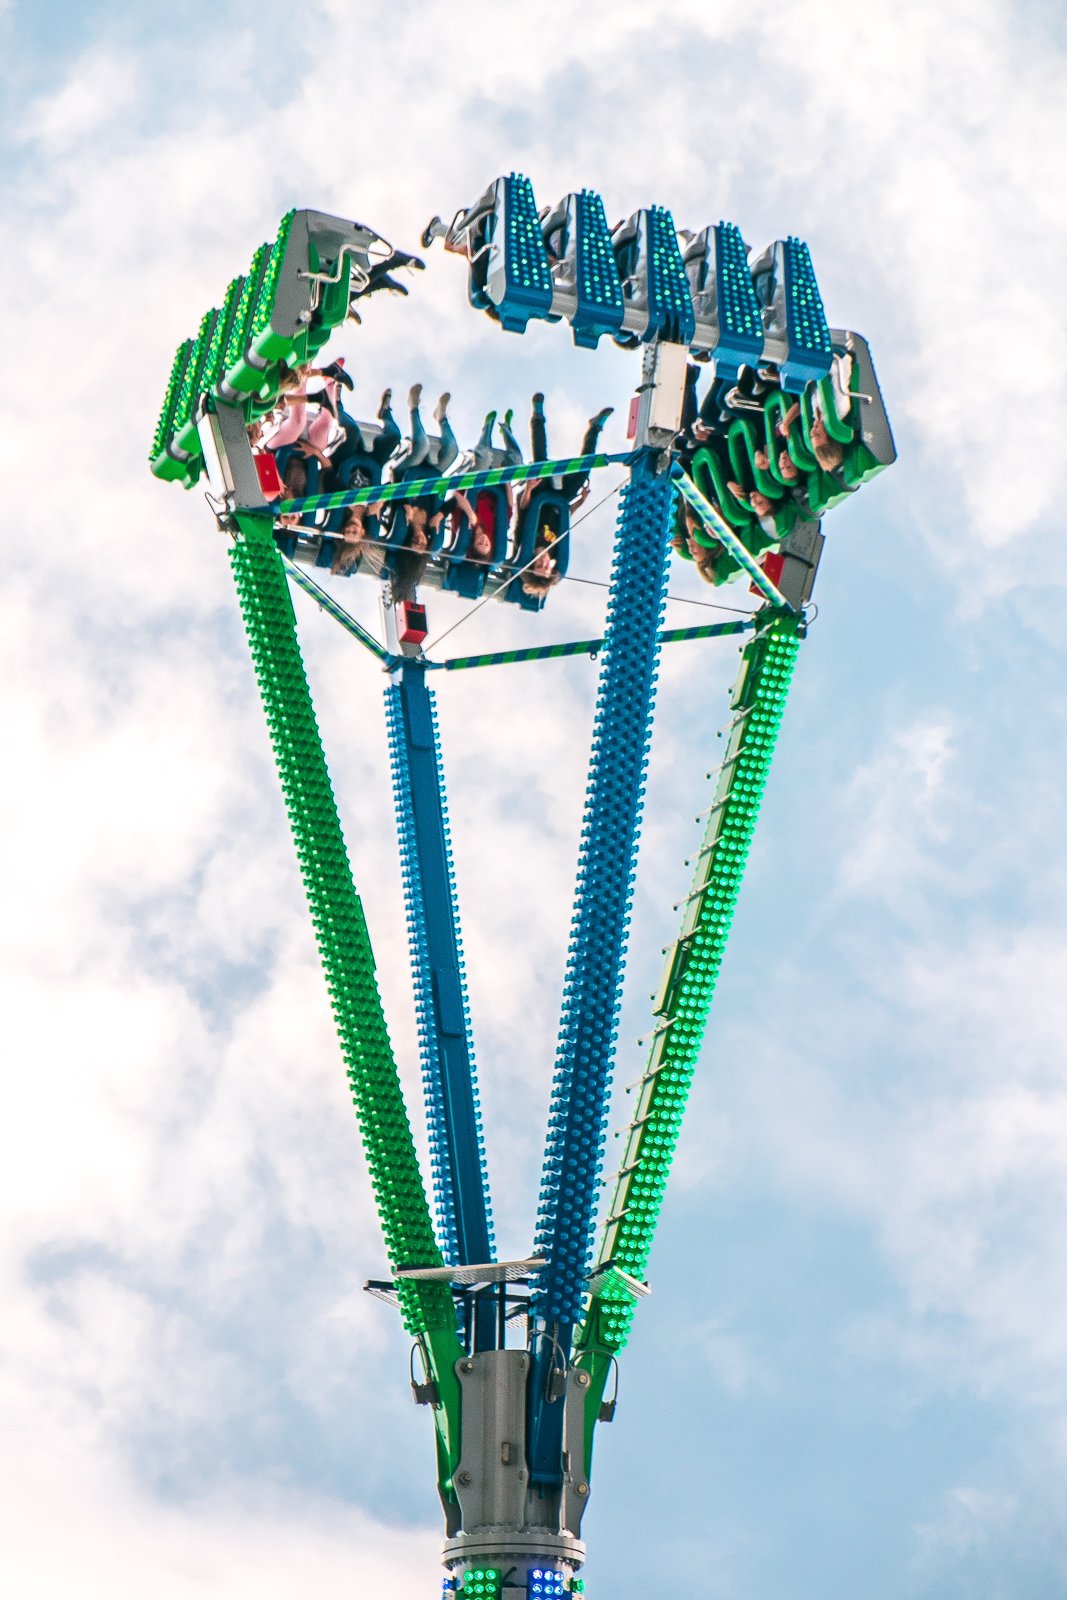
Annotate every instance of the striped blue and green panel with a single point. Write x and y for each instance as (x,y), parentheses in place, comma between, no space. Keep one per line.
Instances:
(589,647)
(416,488)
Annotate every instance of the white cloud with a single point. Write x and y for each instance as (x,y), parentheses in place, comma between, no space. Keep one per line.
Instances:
(101,90)
(188,1220)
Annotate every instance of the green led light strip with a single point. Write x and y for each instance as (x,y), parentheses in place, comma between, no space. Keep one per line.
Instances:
(348,963)
(685,994)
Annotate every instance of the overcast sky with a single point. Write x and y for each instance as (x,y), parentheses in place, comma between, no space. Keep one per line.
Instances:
(850,1382)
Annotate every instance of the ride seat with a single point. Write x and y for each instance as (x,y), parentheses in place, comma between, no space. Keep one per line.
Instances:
(547,507)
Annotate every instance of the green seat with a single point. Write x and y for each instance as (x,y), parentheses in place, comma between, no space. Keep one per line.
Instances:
(843,429)
(711,479)
(741,444)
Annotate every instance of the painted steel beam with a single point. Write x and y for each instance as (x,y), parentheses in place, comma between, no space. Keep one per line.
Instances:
(416,488)
(683,1002)
(589,1020)
(348,964)
(587,647)
(457,1143)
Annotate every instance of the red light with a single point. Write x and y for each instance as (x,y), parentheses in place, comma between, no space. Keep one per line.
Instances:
(269,478)
(412,620)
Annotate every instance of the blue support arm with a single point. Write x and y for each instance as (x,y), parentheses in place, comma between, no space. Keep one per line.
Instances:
(589,1020)
(457,1145)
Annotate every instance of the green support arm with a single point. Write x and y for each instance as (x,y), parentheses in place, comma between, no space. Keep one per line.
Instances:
(348,963)
(684,999)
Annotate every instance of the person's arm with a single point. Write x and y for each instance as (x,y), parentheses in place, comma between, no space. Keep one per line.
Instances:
(464,505)
(788,420)
(306,448)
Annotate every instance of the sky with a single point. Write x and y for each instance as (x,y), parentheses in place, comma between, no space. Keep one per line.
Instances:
(850,1380)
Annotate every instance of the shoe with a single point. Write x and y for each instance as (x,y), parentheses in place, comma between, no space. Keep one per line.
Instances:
(400,258)
(508,418)
(601,417)
(385,404)
(440,410)
(414,396)
(538,404)
(336,370)
(433,230)
(384,282)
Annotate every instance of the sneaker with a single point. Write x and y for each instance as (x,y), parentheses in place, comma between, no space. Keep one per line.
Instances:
(414,396)
(385,404)
(400,258)
(434,229)
(601,417)
(440,410)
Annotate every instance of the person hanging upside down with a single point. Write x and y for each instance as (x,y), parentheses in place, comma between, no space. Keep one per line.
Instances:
(704,557)
(753,499)
(828,453)
(481,519)
(575,485)
(542,573)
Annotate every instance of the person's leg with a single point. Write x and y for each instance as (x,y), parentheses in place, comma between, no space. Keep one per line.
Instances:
(485,441)
(483,449)
(538,429)
(419,453)
(390,436)
(448,449)
(592,430)
(711,407)
(573,483)
(512,448)
(689,399)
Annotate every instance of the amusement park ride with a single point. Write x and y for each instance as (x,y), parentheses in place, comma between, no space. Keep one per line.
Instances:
(515,1358)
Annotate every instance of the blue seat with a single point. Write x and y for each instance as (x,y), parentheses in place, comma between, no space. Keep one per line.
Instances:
(519,280)
(550,508)
(810,353)
(464,574)
(738,324)
(793,311)
(578,235)
(650,267)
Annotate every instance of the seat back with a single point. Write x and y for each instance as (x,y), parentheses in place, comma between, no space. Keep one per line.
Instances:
(519,280)
(589,266)
(650,267)
(548,513)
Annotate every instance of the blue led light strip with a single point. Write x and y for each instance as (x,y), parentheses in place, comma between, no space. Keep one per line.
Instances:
(457,1144)
(589,1019)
